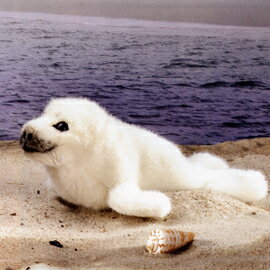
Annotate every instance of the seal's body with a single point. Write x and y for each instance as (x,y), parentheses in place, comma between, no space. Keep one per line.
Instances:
(96,160)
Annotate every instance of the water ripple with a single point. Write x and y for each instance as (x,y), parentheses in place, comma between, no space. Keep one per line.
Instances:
(192,88)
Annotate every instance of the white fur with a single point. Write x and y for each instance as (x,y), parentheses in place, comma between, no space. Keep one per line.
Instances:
(103,162)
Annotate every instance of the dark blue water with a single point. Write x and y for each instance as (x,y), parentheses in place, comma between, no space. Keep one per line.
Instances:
(193,84)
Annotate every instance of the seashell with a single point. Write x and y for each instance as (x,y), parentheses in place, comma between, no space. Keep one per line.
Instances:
(165,241)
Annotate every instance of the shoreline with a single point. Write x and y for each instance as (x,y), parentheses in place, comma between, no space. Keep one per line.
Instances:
(260,145)
(111,21)
(213,12)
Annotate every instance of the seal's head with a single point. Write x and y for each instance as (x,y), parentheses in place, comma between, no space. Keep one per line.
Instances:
(66,128)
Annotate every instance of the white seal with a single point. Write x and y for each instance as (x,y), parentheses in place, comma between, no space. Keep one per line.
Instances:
(98,161)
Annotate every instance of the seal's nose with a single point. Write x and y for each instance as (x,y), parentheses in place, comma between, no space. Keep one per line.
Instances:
(27,139)
(29,136)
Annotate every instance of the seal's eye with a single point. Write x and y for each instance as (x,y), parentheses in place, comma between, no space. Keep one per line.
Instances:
(61,126)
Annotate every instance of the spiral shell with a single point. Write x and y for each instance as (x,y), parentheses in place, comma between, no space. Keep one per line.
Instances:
(165,241)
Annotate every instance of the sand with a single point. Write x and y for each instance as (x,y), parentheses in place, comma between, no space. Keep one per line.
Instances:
(230,234)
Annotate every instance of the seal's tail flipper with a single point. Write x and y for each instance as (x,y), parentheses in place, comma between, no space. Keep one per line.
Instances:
(246,185)
(215,174)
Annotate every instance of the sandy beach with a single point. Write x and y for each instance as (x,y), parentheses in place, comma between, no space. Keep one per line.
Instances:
(230,234)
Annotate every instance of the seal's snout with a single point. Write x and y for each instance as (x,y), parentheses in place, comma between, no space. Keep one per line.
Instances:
(32,143)
(27,136)
(27,141)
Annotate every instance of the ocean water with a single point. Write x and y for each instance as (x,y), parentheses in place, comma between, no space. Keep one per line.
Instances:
(194,84)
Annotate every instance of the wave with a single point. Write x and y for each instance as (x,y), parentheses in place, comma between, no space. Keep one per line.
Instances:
(190,63)
(248,83)
(215,84)
(237,84)
(18,101)
(244,124)
(170,106)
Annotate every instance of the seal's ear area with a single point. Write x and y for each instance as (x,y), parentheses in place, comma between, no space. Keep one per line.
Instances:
(49,104)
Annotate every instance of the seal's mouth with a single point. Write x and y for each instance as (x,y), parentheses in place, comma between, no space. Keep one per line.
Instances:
(28,149)
(33,144)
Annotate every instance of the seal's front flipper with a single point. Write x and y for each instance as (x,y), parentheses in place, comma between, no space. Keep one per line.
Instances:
(128,199)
